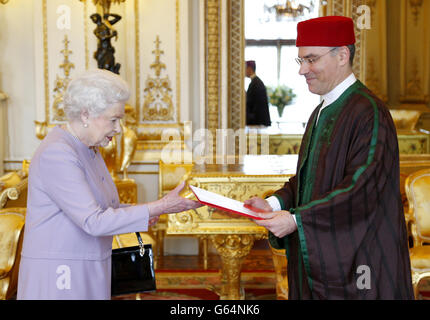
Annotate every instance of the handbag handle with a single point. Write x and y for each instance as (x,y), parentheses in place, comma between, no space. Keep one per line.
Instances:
(141,245)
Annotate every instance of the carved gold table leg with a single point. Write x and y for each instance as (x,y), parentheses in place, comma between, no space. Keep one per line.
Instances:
(232,248)
(280,263)
(203,250)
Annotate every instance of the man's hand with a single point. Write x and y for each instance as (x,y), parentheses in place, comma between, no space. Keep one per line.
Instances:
(258,203)
(280,223)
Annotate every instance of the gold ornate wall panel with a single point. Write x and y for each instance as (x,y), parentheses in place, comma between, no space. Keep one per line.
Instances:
(152,68)
(157,77)
(157,52)
(376,50)
(348,8)
(62,51)
(414,53)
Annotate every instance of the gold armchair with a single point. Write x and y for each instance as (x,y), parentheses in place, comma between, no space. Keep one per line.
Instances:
(13,188)
(418,191)
(11,235)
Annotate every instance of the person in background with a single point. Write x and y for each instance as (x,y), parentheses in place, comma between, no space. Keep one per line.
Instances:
(73,207)
(257,105)
(340,218)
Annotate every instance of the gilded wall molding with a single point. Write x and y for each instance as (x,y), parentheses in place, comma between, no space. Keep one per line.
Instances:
(415,9)
(45,59)
(178,63)
(41,126)
(373,81)
(86,15)
(414,54)
(236,58)
(376,50)
(137,57)
(213,58)
(348,8)
(53,113)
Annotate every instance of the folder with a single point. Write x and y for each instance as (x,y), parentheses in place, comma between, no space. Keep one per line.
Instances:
(223,203)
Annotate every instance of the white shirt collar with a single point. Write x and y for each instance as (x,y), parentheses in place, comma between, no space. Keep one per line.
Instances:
(334,94)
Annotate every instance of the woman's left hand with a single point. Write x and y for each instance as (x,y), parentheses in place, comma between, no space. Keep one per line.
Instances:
(153,221)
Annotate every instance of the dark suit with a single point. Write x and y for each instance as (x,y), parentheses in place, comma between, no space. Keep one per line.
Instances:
(257,106)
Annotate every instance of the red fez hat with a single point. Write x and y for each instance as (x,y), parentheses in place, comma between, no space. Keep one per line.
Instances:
(331,31)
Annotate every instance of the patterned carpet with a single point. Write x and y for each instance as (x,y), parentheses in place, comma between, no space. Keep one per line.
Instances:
(184,278)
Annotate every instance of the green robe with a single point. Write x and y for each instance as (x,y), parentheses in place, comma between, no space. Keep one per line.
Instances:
(351,241)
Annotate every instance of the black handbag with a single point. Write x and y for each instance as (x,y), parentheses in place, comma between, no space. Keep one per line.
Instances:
(133,269)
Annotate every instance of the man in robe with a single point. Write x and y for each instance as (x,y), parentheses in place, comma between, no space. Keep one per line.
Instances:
(257,105)
(340,218)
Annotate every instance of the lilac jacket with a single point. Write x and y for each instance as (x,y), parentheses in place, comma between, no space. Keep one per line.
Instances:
(73,211)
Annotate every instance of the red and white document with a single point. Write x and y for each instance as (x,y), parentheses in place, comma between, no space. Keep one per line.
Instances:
(223,203)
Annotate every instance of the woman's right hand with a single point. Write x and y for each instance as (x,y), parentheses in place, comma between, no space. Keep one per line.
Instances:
(172,203)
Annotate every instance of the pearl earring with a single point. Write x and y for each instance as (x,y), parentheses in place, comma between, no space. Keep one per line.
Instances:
(85,125)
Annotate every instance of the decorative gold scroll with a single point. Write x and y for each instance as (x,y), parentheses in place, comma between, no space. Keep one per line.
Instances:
(62,83)
(158,104)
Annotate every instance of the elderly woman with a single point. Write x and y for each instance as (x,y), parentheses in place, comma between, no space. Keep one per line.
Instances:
(73,207)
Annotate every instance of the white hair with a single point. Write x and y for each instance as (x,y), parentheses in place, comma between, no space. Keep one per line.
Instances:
(94,91)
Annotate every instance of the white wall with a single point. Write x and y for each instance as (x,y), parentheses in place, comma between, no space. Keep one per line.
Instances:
(17,77)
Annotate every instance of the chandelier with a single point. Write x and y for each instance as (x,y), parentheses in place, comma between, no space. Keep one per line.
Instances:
(290,8)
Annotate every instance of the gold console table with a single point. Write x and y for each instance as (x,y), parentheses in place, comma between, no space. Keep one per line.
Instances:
(232,235)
